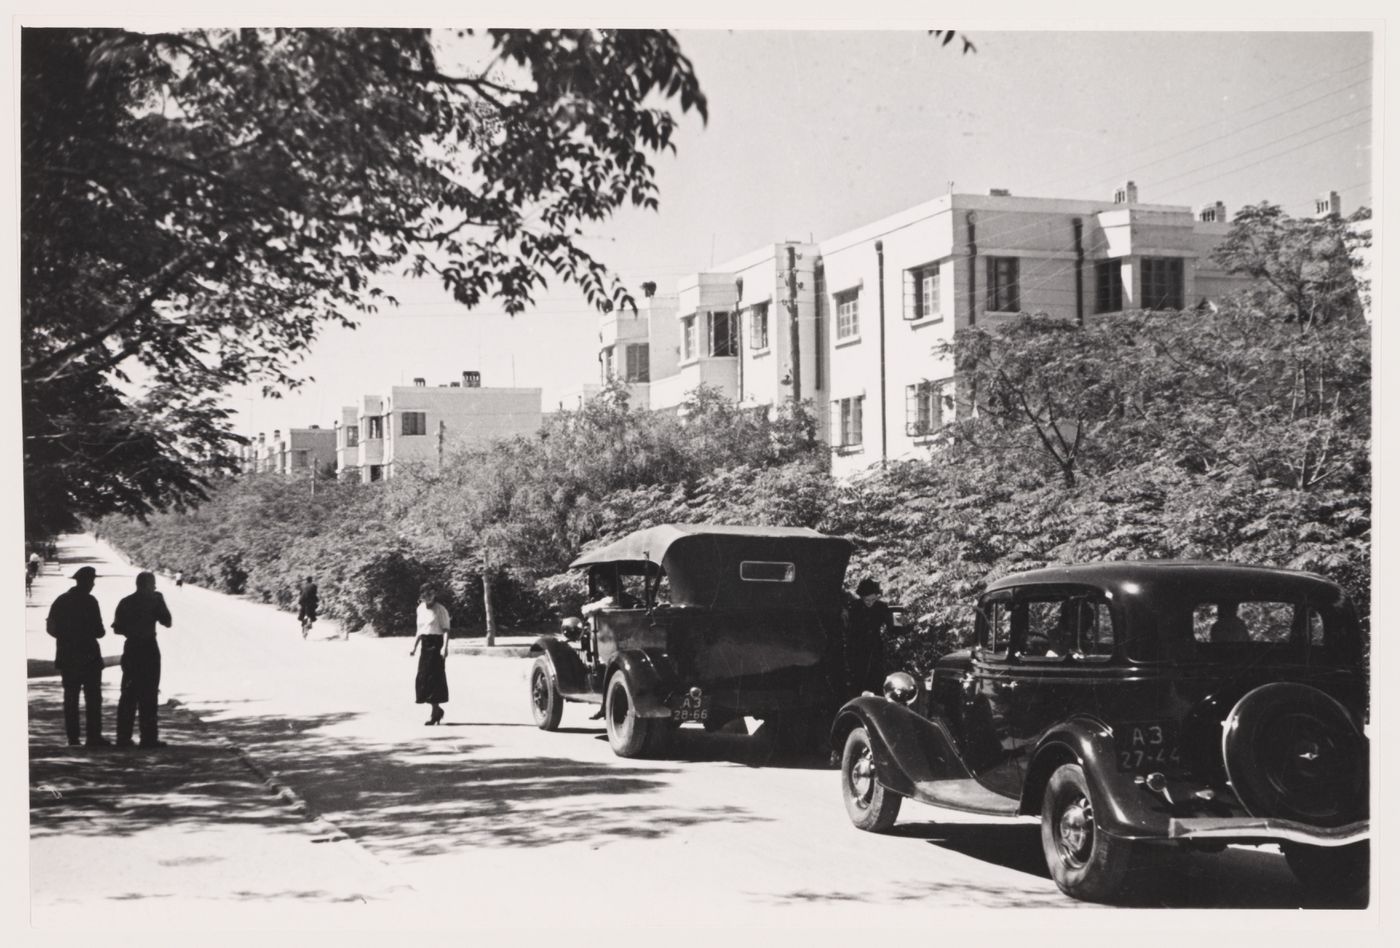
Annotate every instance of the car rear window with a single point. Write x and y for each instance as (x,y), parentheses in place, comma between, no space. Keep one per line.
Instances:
(766,571)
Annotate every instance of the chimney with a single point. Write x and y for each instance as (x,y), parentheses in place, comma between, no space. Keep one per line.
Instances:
(1000,192)
(276,434)
(1127,194)
(649,289)
(261,438)
(315,427)
(1328,204)
(456,385)
(1211,213)
(419,383)
(471,380)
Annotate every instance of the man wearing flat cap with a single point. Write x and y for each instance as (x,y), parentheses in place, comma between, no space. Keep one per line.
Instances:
(75,621)
(136,619)
(867,617)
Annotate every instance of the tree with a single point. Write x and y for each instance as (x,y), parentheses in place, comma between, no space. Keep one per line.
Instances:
(1306,268)
(197,204)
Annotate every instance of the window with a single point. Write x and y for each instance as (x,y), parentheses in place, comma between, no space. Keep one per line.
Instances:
(926,407)
(609,363)
(922,299)
(1108,286)
(374,427)
(300,459)
(848,315)
(638,362)
(415,423)
(1003,284)
(847,418)
(723,333)
(758,571)
(1163,283)
(994,618)
(376,472)
(352,435)
(1063,627)
(758,326)
(688,338)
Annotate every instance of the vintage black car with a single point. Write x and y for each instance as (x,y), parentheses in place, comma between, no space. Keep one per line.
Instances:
(703,624)
(1136,705)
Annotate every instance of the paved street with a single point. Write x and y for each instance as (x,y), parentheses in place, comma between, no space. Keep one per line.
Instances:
(302,788)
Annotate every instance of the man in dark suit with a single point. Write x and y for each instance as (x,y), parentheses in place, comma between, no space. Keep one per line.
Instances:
(136,619)
(75,620)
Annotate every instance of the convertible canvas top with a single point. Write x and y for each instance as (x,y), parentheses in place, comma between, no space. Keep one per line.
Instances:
(706,564)
(652,543)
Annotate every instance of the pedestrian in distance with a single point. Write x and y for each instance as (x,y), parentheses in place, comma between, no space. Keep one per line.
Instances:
(180,579)
(136,620)
(308,601)
(75,621)
(434,625)
(867,617)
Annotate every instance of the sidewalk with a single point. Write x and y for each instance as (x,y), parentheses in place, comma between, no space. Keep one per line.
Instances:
(120,837)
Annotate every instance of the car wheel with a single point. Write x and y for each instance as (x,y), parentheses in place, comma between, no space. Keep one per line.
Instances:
(1084,861)
(546,703)
(870,806)
(628,734)
(1331,872)
(1293,752)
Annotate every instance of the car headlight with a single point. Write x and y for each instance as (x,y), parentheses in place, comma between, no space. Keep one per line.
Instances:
(901,687)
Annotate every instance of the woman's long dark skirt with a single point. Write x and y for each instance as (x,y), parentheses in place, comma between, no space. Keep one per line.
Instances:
(431,683)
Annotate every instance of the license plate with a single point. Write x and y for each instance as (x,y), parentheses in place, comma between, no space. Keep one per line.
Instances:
(692,709)
(1145,745)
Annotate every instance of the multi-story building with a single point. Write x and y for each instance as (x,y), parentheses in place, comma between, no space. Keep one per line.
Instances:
(418,424)
(871,306)
(635,347)
(299,452)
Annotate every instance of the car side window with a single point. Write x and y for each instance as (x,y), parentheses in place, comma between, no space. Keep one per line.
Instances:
(1044,634)
(1095,638)
(995,638)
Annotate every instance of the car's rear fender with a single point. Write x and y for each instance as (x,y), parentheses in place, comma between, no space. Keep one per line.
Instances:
(650,677)
(908,748)
(570,675)
(1122,806)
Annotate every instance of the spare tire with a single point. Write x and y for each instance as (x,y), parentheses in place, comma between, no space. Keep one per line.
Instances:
(1293,752)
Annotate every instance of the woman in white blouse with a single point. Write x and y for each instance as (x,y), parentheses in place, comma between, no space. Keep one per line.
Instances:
(433,632)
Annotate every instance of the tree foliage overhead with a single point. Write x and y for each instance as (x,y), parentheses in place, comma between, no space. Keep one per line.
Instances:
(197,204)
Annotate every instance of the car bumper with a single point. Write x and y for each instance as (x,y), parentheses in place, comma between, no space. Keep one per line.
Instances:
(1265,829)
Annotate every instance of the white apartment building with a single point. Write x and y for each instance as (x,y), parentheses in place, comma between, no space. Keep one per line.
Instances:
(418,424)
(871,305)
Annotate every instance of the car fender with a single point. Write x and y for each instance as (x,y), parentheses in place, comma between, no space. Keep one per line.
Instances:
(570,675)
(907,747)
(650,677)
(1122,806)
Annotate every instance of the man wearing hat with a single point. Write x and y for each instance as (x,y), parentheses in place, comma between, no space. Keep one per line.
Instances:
(136,619)
(867,617)
(75,620)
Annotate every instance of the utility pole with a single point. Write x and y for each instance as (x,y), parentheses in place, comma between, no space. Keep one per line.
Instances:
(441,441)
(794,342)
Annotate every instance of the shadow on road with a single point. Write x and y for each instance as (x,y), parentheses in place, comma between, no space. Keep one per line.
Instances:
(431,797)
(1240,877)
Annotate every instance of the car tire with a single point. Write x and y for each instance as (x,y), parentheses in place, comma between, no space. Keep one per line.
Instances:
(1085,862)
(546,703)
(870,805)
(1331,872)
(1293,752)
(628,734)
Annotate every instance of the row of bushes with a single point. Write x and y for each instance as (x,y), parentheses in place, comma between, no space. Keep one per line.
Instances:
(1168,466)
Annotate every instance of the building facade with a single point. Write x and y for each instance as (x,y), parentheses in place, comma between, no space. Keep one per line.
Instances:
(871,308)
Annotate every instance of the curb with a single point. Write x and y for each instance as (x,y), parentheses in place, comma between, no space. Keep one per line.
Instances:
(322,829)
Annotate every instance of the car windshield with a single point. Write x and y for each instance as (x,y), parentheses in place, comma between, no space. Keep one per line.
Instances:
(1222,629)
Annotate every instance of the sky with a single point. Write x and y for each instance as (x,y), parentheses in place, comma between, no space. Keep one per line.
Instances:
(813,133)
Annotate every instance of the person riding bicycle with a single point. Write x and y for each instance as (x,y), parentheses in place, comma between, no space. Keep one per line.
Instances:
(307,602)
